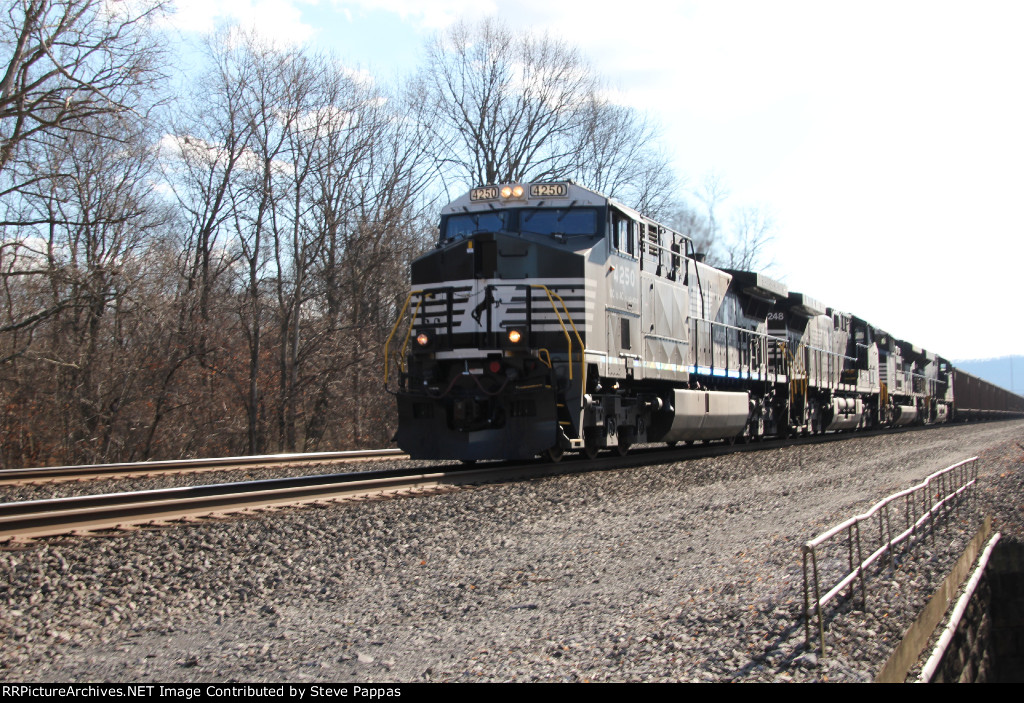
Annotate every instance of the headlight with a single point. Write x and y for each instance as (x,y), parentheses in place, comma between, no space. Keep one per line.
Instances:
(514,336)
(423,339)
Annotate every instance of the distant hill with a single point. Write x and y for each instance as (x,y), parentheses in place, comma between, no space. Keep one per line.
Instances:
(1006,371)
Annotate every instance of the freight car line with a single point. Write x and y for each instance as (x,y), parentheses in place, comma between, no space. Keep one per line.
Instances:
(26,520)
(52,474)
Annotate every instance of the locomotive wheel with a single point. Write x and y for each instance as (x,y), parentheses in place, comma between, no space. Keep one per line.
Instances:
(622,448)
(554,454)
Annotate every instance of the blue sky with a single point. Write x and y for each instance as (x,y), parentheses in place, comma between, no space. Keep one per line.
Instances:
(886,137)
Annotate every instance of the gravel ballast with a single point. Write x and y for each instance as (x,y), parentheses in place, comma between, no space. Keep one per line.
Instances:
(682,572)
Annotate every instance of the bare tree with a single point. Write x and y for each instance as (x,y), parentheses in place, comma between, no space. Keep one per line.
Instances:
(96,216)
(367,197)
(514,106)
(300,184)
(67,66)
(67,61)
(617,157)
(753,229)
(713,192)
(740,245)
(504,106)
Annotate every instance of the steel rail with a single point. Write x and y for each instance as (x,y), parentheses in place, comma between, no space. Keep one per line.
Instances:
(25,520)
(95,471)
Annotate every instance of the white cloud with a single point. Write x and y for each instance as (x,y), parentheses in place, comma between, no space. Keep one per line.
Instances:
(279,19)
(429,14)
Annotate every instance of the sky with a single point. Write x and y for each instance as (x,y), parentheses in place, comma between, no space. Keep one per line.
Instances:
(885,138)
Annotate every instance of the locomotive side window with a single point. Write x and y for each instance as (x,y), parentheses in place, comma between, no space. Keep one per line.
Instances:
(622,233)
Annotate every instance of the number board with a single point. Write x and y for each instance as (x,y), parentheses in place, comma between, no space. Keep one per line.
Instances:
(549,190)
(485,193)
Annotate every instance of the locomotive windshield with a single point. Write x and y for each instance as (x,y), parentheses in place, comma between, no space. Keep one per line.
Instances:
(570,222)
(460,226)
(564,221)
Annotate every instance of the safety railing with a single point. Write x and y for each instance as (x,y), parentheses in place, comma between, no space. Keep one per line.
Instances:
(837,555)
(405,343)
(720,346)
(723,347)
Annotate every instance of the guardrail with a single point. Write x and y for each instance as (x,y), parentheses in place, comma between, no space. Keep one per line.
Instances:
(922,505)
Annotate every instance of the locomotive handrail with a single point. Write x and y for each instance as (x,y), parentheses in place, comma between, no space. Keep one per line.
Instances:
(398,321)
(565,308)
(775,337)
(647,247)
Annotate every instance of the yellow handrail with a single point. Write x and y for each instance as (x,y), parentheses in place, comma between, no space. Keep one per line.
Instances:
(583,359)
(546,353)
(568,339)
(398,321)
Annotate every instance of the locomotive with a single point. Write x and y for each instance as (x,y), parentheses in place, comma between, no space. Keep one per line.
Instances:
(550,318)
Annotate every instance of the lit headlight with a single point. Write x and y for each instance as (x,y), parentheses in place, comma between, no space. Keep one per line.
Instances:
(514,336)
(422,339)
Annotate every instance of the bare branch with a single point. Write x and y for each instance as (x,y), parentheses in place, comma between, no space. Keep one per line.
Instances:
(66,61)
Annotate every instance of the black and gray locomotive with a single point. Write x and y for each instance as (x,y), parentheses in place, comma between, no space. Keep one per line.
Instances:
(550,318)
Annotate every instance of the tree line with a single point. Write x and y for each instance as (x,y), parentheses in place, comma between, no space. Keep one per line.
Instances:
(213,270)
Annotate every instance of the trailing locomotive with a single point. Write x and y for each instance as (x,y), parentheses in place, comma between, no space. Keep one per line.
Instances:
(550,318)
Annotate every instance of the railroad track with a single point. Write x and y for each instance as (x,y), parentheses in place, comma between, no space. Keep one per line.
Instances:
(51,474)
(24,521)
(27,520)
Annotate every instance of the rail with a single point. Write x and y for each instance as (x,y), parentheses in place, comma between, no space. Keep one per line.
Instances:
(936,496)
(27,520)
(95,471)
